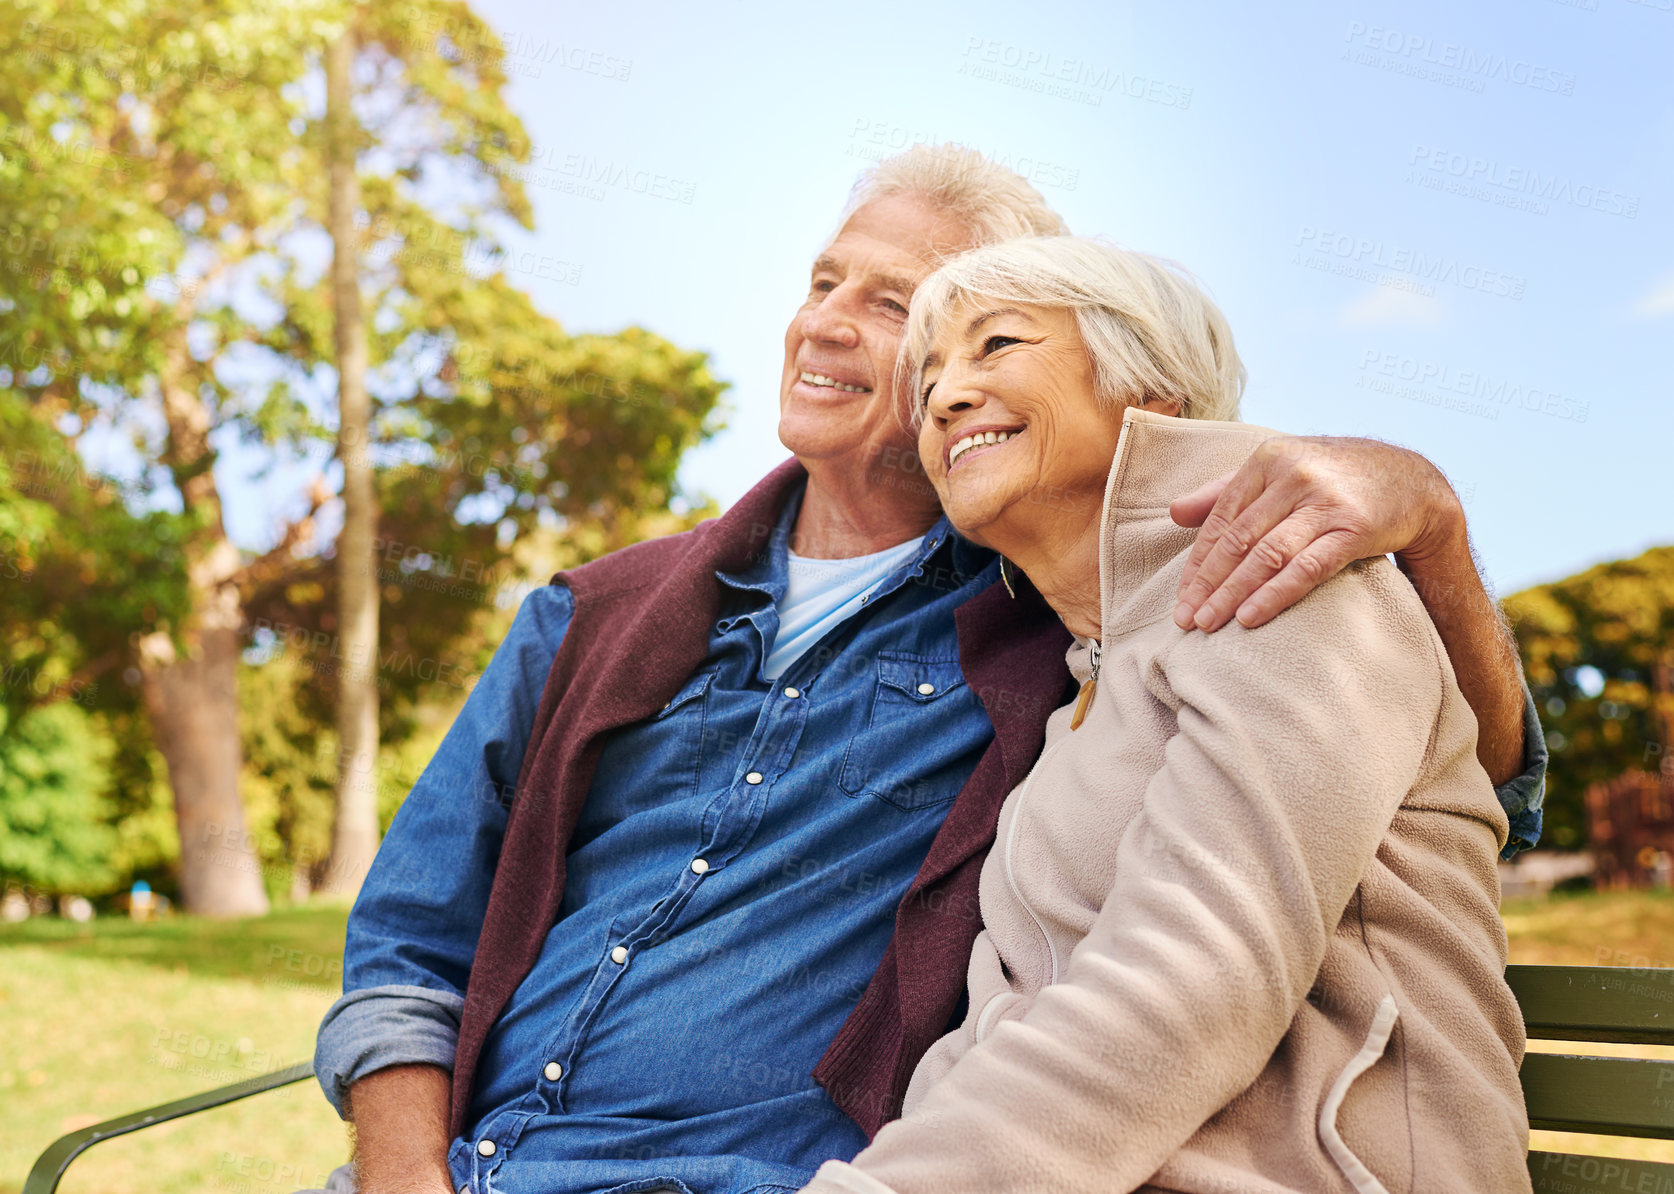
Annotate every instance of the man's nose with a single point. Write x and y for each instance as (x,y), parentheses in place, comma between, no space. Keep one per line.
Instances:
(833,322)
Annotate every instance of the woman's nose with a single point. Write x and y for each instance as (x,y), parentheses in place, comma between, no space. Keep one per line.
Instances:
(953,393)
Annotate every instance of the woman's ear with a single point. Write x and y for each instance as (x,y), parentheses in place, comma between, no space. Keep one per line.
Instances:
(1161,406)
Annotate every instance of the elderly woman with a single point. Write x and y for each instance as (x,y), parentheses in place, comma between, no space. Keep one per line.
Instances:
(1241,920)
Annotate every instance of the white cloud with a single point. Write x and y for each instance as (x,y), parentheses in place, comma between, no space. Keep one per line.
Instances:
(1660,301)
(1385,306)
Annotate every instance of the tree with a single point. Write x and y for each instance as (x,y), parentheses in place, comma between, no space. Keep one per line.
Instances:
(354,831)
(136,193)
(1592,646)
(78,572)
(164,225)
(54,833)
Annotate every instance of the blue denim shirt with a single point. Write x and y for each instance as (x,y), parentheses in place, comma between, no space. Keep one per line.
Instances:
(742,852)
(730,890)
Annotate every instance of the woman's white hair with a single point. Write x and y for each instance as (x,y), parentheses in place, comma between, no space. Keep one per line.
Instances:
(995,203)
(1150,330)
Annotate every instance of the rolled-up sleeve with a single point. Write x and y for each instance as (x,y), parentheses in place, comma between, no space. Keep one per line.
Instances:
(413,931)
(370,1030)
(1523,795)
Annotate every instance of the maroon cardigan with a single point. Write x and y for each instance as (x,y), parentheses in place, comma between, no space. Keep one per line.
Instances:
(641,625)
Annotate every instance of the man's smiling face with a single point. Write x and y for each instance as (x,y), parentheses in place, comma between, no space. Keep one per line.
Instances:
(838,407)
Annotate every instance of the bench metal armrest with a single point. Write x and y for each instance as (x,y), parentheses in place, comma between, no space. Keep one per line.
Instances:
(50,1167)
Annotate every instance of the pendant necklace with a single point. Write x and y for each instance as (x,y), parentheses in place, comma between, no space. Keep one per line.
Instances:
(1086,697)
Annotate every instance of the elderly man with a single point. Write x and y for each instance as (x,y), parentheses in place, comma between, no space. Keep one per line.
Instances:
(691,884)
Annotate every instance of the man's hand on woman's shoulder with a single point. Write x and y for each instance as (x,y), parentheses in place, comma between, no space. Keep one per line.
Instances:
(1300,511)
(1305,507)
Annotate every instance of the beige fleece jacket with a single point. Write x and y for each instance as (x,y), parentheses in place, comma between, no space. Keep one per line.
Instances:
(1241,927)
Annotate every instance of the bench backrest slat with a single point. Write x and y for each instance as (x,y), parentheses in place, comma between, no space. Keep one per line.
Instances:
(1595,1003)
(1567,1173)
(1610,1096)
(1617,1096)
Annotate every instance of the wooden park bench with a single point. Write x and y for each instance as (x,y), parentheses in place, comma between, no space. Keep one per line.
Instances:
(1610,1096)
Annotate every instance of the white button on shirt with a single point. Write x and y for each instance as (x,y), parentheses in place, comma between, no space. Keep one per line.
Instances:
(553,1071)
(485,1148)
(619,955)
(753,778)
(699,866)
(793,693)
(926,688)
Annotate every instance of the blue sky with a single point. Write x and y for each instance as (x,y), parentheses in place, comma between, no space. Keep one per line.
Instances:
(1447,226)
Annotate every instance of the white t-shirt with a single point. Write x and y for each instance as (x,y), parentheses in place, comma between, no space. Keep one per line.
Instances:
(821,594)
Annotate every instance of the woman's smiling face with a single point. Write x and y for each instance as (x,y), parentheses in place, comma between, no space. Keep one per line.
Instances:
(1013,436)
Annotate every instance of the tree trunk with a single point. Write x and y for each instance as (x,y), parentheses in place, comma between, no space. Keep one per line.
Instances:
(193,703)
(192,698)
(354,830)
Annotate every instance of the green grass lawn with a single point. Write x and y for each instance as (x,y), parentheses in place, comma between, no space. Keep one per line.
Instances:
(106,1018)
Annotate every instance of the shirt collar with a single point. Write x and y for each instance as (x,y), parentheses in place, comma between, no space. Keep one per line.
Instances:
(769,574)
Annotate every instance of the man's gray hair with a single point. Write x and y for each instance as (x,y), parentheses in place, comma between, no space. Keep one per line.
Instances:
(996,203)
(1150,330)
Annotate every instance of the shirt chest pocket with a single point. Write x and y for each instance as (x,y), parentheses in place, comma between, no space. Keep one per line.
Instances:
(677,736)
(918,747)
(649,763)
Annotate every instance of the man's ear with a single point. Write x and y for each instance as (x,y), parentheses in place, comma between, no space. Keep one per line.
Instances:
(1161,406)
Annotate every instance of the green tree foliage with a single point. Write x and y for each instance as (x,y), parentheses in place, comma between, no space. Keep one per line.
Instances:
(80,574)
(163,288)
(291,763)
(55,832)
(1592,645)
(80,571)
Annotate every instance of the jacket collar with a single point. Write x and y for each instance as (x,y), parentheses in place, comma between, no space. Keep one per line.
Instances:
(1158,458)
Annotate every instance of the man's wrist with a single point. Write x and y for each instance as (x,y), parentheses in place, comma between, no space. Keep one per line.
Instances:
(1443,570)
(1442,545)
(406,1183)
(400,1130)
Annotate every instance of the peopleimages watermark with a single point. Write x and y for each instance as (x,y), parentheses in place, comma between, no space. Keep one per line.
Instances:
(171,1047)
(878,139)
(117,56)
(1448,63)
(1061,77)
(273,637)
(580,59)
(1468,391)
(242,1173)
(431,244)
(43,686)
(587,176)
(1520,187)
(520,53)
(1396,265)
(479,261)
(37,476)
(37,152)
(66,253)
